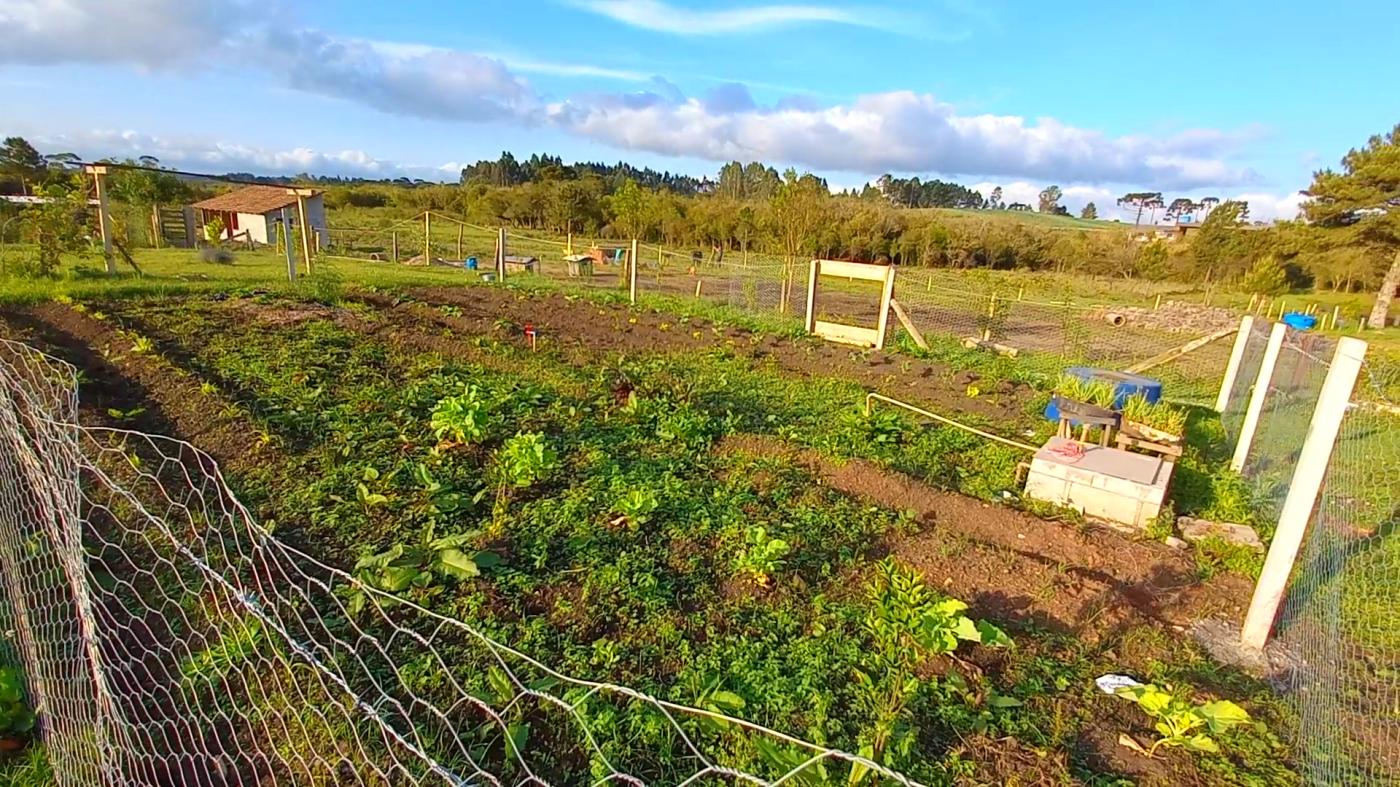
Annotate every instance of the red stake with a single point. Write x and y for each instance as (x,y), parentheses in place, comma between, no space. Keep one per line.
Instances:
(530,334)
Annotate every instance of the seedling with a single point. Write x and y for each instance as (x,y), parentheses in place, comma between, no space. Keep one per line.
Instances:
(762,555)
(405,567)
(1178,722)
(1156,415)
(460,418)
(1095,392)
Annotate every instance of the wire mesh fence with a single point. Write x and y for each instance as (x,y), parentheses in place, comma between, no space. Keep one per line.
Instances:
(167,638)
(1338,622)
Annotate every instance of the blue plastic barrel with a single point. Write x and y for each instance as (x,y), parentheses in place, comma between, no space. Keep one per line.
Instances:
(1125,385)
(1299,321)
(471,263)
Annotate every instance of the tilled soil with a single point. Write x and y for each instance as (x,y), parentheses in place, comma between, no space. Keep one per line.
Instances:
(579,325)
(1008,564)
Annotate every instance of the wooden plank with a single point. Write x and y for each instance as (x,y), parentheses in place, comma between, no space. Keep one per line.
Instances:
(1177,352)
(815,271)
(908,324)
(846,334)
(854,270)
(886,295)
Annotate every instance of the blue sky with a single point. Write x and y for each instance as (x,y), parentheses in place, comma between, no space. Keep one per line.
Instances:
(1227,99)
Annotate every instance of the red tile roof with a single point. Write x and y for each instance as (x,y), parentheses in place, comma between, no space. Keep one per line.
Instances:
(250,199)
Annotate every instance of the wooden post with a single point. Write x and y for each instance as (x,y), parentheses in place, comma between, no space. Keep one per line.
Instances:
(394,246)
(569,245)
(908,324)
(815,271)
(698,282)
(1336,313)
(886,295)
(303,223)
(632,272)
(1020,293)
(155,225)
(1253,299)
(1158,304)
(1307,481)
(104,216)
(1232,368)
(991,315)
(460,229)
(427,237)
(1258,396)
(284,228)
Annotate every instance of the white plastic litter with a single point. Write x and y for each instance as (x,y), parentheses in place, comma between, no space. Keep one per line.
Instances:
(1110,684)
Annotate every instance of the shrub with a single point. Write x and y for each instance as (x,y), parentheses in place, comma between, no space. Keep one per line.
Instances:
(1267,277)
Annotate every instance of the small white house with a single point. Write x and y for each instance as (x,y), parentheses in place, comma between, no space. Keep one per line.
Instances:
(257,210)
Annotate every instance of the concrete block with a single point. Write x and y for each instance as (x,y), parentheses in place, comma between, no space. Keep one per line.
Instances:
(1193,530)
(1107,483)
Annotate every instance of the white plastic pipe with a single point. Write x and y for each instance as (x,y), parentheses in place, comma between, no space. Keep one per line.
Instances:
(1232,369)
(1258,396)
(1303,491)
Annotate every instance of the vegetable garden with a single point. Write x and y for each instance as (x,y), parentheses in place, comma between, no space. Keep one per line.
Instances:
(694,505)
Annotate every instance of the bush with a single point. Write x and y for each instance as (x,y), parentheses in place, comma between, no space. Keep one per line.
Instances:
(1267,277)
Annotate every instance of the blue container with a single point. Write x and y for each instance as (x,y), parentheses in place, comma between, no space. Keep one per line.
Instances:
(471,263)
(1125,385)
(1299,321)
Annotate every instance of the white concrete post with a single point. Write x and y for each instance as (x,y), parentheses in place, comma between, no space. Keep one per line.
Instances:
(1258,396)
(1232,369)
(632,272)
(1303,491)
(500,253)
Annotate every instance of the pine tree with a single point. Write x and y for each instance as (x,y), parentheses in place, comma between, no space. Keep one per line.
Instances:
(1090,211)
(1360,207)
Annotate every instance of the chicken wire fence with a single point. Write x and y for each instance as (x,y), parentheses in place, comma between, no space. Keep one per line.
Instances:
(167,638)
(1046,336)
(1338,625)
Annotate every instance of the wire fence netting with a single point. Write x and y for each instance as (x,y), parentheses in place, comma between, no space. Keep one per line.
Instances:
(167,638)
(1338,625)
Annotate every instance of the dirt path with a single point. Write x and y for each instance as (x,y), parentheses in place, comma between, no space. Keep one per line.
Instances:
(117,381)
(1011,565)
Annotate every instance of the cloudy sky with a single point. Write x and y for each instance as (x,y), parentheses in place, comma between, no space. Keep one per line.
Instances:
(1243,98)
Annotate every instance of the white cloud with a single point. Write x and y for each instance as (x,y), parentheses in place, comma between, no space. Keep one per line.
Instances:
(202,154)
(666,18)
(901,132)
(398,79)
(897,132)
(152,33)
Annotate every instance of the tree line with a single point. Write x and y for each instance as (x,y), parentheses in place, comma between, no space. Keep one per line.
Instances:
(1348,239)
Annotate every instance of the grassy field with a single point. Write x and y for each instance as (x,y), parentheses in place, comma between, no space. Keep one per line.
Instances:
(709,516)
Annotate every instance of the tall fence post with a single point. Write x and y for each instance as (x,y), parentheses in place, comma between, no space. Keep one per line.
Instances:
(632,272)
(1303,491)
(394,246)
(303,223)
(285,227)
(1232,369)
(104,215)
(500,253)
(427,237)
(1257,396)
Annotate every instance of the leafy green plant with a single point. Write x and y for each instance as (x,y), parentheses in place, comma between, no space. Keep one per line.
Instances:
(1095,392)
(460,418)
(762,555)
(907,624)
(636,507)
(227,653)
(366,498)
(1158,415)
(1178,722)
(526,459)
(405,567)
(16,717)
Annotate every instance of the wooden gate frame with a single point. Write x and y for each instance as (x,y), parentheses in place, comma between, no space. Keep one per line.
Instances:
(839,332)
